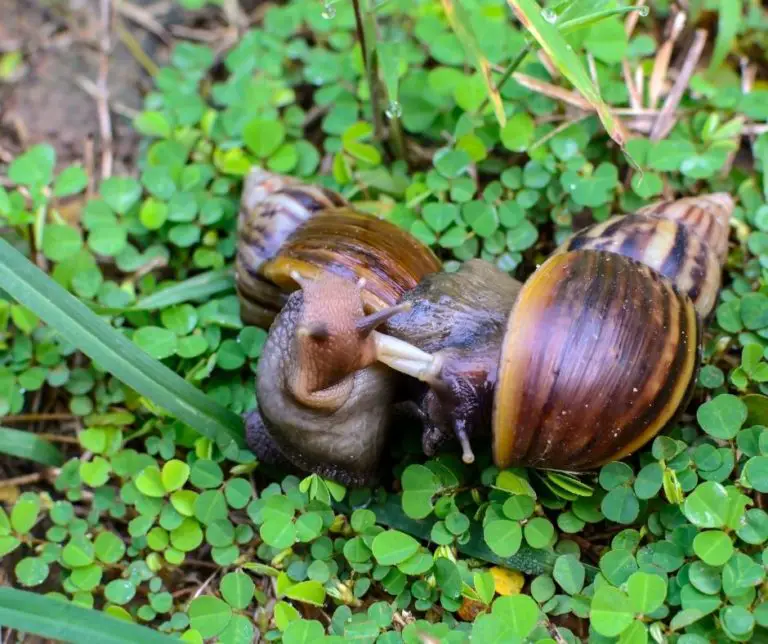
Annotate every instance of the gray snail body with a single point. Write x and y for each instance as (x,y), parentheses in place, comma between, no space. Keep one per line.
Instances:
(554,372)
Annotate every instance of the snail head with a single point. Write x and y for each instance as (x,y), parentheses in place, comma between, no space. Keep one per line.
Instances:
(334,336)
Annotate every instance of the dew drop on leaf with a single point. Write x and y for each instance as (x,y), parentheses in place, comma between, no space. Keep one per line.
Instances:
(549,15)
(394,110)
(329,13)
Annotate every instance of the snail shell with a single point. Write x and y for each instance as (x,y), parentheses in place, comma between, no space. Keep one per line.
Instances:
(599,354)
(285,226)
(684,240)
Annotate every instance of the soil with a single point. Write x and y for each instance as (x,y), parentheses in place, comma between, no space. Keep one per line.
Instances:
(47,97)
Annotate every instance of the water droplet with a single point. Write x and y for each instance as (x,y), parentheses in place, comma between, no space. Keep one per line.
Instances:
(549,15)
(394,110)
(644,11)
(329,13)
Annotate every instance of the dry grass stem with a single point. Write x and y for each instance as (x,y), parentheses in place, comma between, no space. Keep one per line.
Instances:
(635,99)
(93,90)
(593,71)
(545,60)
(133,46)
(553,91)
(145,19)
(563,126)
(668,117)
(36,418)
(640,83)
(89,161)
(102,99)
(663,56)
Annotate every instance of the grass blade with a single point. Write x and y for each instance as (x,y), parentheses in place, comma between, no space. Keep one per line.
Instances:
(195,288)
(37,614)
(26,283)
(568,63)
(581,22)
(461,25)
(200,286)
(728,19)
(21,444)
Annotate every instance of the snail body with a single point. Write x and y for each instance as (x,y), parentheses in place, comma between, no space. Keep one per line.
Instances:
(582,364)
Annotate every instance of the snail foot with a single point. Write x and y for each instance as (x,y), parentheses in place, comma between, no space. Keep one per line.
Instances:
(259,441)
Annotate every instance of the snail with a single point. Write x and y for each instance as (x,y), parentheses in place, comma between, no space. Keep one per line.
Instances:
(582,364)
(322,277)
(599,352)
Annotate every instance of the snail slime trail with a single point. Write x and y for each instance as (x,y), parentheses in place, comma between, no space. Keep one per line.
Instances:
(553,373)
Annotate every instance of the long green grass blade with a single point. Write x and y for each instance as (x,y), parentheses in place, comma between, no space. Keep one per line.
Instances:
(60,620)
(568,26)
(26,445)
(460,23)
(195,288)
(530,14)
(728,22)
(26,283)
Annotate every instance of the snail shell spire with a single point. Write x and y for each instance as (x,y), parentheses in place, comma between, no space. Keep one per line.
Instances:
(685,240)
(706,216)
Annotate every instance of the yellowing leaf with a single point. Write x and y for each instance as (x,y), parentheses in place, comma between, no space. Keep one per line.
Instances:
(508,582)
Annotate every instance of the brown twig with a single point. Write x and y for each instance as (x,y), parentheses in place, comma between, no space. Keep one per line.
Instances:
(145,19)
(667,117)
(58,438)
(102,100)
(554,633)
(35,418)
(25,479)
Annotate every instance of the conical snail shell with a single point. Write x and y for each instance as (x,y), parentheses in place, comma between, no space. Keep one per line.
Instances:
(599,355)
(603,344)
(285,225)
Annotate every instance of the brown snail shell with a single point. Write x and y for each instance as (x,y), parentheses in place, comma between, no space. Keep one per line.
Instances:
(599,354)
(285,226)
(684,240)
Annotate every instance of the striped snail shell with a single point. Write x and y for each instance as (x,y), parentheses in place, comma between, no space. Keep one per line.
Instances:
(286,226)
(599,353)
(685,240)
(600,349)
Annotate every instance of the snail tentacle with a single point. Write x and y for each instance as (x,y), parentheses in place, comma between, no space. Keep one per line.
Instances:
(407,358)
